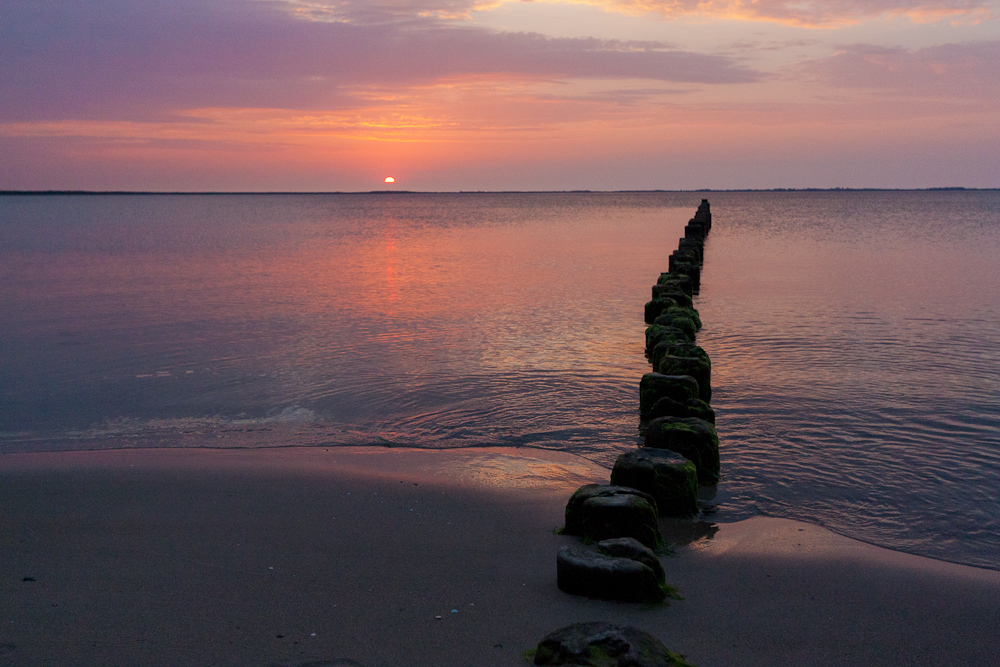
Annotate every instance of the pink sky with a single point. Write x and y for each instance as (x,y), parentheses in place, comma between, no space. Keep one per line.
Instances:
(327,95)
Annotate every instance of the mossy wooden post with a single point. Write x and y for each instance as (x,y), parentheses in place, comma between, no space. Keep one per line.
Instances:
(696,367)
(607,577)
(654,386)
(654,308)
(676,349)
(693,407)
(668,477)
(601,644)
(600,511)
(681,282)
(656,334)
(694,439)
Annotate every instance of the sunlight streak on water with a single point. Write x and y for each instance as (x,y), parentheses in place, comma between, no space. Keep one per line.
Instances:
(855,337)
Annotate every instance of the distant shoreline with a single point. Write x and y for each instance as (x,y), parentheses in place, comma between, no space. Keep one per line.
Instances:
(20,193)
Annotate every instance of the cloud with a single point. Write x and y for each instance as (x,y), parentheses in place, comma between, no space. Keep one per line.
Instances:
(803,13)
(632,98)
(142,59)
(952,71)
(382,11)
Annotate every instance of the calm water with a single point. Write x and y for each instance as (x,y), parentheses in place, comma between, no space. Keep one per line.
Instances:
(855,337)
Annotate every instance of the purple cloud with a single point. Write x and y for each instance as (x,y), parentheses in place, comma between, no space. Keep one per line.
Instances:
(809,12)
(963,71)
(132,59)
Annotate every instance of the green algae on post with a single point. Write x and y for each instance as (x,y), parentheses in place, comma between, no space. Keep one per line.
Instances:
(692,438)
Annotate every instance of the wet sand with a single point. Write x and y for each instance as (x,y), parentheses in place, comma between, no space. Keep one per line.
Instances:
(292,556)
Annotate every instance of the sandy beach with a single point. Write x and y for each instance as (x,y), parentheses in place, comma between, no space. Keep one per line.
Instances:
(421,558)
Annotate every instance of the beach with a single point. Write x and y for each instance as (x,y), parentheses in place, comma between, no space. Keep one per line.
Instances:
(406,557)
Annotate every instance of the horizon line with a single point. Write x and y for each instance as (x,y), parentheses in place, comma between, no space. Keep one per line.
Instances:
(441,192)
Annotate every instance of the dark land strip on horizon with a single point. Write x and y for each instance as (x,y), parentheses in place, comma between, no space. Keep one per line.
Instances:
(15,193)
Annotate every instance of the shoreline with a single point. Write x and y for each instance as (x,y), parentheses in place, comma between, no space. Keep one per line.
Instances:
(185,556)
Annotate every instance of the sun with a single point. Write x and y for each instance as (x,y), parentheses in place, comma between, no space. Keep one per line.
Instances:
(390,179)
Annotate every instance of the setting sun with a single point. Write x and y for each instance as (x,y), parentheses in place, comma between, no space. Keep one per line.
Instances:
(505,95)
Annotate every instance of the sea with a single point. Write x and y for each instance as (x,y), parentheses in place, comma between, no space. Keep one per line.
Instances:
(854,336)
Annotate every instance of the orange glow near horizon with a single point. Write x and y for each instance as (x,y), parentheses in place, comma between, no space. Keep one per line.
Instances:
(815,16)
(554,95)
(517,128)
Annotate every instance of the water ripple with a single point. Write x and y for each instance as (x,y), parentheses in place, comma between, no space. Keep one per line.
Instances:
(855,337)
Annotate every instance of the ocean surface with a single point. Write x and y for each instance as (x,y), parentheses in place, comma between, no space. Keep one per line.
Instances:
(854,336)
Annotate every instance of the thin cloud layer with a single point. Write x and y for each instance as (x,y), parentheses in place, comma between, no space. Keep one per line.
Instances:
(139,59)
(807,13)
(382,11)
(804,13)
(960,71)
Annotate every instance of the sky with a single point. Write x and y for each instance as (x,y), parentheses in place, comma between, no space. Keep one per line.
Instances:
(448,95)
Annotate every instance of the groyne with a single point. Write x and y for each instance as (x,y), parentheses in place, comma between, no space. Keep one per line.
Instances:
(619,522)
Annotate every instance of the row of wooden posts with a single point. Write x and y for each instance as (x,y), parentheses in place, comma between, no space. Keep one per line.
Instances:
(680,450)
